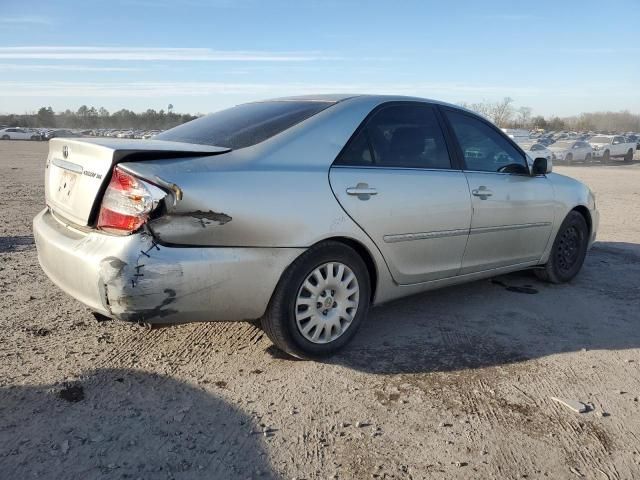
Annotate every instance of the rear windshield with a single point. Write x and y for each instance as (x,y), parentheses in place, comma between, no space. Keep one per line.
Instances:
(244,125)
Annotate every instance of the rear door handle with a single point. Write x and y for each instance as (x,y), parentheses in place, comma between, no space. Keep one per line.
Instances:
(482,192)
(362,191)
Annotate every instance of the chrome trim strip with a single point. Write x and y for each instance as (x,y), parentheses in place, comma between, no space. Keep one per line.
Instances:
(497,173)
(383,167)
(475,231)
(73,167)
(406,237)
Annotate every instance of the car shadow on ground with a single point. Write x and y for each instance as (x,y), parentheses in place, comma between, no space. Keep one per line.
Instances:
(126,424)
(506,319)
(17,243)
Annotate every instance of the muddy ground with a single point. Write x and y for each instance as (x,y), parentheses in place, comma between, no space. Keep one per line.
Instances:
(450,384)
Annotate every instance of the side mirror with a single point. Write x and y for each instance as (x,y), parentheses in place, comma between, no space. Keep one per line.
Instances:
(541,166)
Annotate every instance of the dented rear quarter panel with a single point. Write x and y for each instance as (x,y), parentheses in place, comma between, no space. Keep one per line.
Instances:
(273,195)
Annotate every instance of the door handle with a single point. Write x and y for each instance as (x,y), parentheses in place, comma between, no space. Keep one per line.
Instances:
(482,192)
(362,191)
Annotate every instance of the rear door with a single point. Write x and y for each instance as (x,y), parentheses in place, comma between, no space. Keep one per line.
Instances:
(395,178)
(512,211)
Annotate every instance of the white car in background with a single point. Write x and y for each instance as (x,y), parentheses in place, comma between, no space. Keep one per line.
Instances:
(536,150)
(570,151)
(606,147)
(14,133)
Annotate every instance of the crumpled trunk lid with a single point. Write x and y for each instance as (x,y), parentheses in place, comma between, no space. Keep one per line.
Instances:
(78,170)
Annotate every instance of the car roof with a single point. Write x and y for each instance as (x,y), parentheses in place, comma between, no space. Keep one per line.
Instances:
(376,98)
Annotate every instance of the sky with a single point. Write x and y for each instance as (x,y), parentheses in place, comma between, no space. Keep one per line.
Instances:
(559,57)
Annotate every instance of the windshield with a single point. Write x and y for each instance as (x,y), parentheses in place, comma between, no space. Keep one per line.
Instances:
(244,125)
(600,140)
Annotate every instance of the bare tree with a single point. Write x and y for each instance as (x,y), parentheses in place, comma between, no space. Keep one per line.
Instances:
(501,112)
(524,117)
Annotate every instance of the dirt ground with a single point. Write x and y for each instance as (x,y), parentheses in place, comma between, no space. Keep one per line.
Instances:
(454,383)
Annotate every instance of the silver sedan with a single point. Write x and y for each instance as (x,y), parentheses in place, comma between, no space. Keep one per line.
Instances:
(303,212)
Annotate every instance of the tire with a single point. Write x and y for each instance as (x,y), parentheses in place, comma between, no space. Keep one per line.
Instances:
(606,156)
(35,137)
(568,251)
(290,312)
(587,159)
(628,158)
(6,137)
(568,159)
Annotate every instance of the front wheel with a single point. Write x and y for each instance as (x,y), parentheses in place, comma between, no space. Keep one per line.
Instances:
(568,251)
(320,302)
(628,158)
(5,137)
(568,159)
(587,158)
(606,156)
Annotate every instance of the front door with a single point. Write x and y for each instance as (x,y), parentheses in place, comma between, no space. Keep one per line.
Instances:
(395,179)
(512,211)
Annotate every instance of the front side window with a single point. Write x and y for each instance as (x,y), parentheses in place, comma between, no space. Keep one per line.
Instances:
(244,125)
(483,148)
(402,136)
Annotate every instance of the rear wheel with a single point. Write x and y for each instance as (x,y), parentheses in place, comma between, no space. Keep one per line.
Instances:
(568,251)
(5,137)
(320,302)
(628,158)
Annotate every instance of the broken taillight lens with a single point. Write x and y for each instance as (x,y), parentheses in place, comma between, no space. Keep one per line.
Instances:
(126,204)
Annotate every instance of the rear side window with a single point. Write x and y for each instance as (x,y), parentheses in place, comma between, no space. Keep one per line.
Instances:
(406,136)
(244,125)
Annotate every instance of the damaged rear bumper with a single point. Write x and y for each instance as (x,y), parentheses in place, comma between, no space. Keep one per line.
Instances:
(133,278)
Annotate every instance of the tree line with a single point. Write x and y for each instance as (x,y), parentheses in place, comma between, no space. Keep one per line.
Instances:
(94,118)
(505,114)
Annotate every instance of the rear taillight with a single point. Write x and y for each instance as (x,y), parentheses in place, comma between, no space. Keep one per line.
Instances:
(126,204)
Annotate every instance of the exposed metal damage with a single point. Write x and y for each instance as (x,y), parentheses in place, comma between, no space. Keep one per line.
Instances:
(221,218)
(185,224)
(131,290)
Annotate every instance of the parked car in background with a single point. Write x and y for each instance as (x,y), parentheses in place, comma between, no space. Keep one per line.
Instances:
(14,133)
(634,138)
(569,151)
(303,212)
(536,150)
(517,134)
(61,133)
(606,147)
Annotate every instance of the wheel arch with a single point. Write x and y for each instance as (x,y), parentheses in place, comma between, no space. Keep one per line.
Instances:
(584,211)
(366,256)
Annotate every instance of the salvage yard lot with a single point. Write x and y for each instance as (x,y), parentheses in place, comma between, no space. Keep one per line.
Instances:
(451,383)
